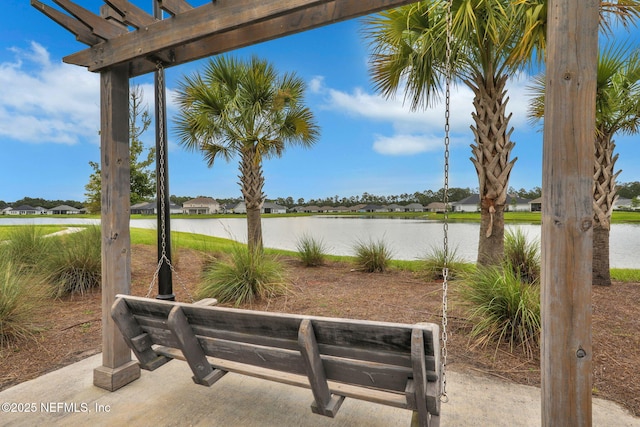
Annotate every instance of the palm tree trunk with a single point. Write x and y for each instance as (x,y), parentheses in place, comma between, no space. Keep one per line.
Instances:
(600,266)
(491,243)
(491,153)
(252,182)
(604,196)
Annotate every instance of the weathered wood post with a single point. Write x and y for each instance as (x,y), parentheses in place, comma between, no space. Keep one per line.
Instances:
(569,132)
(117,367)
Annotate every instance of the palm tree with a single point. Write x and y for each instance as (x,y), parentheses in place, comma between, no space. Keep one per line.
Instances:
(409,46)
(617,112)
(245,109)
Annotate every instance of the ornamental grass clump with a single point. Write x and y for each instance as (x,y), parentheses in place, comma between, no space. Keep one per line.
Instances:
(522,256)
(74,265)
(502,308)
(312,252)
(372,256)
(27,246)
(20,294)
(247,276)
(435,259)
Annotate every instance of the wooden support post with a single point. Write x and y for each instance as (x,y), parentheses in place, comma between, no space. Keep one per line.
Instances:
(324,403)
(569,132)
(203,372)
(138,340)
(117,367)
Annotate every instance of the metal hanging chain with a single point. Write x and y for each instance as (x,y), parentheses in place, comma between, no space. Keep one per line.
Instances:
(161,179)
(445,269)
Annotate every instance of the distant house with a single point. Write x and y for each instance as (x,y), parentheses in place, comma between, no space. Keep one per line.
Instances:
(23,210)
(237,208)
(42,211)
(143,208)
(201,206)
(311,209)
(64,210)
(272,208)
(151,208)
(372,208)
(535,205)
(395,208)
(468,204)
(622,203)
(517,204)
(357,208)
(414,207)
(7,210)
(438,207)
(472,204)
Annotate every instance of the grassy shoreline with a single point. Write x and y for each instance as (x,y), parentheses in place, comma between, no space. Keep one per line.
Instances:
(213,244)
(509,217)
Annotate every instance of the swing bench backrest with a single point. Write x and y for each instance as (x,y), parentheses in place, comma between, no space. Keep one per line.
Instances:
(388,363)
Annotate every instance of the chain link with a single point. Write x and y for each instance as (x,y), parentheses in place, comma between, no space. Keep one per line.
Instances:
(164,259)
(445,269)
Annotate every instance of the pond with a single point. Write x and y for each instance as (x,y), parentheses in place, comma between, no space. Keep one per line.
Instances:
(408,239)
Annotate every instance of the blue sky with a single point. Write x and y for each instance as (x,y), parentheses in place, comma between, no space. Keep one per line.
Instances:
(49,122)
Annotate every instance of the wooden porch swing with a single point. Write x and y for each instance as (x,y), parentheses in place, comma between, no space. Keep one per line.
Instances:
(125,41)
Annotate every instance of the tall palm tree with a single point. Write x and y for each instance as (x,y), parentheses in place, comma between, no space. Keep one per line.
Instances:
(409,45)
(617,112)
(245,109)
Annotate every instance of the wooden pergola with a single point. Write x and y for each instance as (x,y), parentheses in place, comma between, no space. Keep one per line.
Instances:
(125,41)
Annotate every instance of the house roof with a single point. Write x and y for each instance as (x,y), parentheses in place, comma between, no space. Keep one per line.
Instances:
(64,208)
(202,201)
(24,208)
(272,205)
(473,199)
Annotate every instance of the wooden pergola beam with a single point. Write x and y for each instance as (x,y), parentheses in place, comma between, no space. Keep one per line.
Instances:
(313,17)
(99,26)
(219,27)
(131,14)
(174,7)
(82,32)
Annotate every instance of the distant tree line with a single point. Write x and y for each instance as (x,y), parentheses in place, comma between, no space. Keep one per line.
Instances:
(35,202)
(628,190)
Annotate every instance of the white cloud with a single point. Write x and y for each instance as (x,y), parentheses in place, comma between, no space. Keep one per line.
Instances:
(44,102)
(316,84)
(418,131)
(398,145)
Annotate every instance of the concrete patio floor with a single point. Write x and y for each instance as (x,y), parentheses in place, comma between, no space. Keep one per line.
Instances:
(168,397)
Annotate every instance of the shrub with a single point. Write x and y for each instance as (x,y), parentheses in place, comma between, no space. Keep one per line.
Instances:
(522,256)
(20,294)
(435,259)
(372,257)
(247,276)
(312,252)
(74,264)
(502,308)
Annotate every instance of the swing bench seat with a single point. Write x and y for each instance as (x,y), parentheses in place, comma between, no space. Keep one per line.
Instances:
(387,363)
